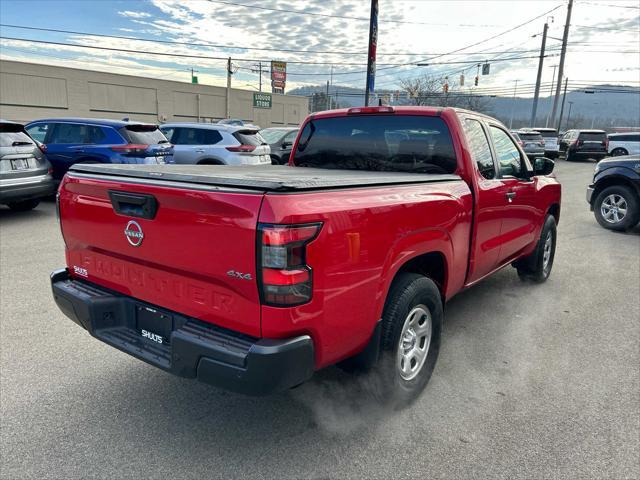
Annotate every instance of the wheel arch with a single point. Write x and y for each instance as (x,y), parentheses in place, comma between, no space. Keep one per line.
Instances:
(614,179)
(554,210)
(210,161)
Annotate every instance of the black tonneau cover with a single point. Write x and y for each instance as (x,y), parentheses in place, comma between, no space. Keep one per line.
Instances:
(264,178)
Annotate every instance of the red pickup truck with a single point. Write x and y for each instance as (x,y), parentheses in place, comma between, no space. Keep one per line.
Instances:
(252,278)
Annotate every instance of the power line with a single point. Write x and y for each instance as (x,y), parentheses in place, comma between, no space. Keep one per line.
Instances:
(343,17)
(237,47)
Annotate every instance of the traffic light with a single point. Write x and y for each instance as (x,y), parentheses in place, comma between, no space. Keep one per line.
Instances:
(475,81)
(445,88)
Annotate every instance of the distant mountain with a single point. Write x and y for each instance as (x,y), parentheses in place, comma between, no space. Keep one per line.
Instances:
(605,109)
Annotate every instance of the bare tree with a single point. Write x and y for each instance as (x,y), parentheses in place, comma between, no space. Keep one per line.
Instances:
(427,90)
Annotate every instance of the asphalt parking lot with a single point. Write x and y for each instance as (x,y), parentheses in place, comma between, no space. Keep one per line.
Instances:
(533,381)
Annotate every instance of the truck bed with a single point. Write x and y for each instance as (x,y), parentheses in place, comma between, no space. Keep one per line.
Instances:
(261,178)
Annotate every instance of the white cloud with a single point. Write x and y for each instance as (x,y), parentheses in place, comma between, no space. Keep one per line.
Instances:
(132,14)
(222,24)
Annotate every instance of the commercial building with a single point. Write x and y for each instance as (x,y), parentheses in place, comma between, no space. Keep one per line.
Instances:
(29,91)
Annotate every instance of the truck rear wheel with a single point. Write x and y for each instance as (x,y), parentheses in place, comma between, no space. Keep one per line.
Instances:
(411,328)
(537,266)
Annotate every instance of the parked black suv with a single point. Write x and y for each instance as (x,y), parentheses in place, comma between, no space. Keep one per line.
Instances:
(579,144)
(614,195)
(25,174)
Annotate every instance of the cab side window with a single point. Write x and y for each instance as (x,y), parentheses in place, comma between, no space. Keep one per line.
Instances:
(507,153)
(480,150)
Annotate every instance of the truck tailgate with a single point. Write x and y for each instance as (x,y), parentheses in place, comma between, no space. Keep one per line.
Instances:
(196,256)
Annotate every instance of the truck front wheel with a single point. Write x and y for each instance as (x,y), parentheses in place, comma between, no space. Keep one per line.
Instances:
(411,327)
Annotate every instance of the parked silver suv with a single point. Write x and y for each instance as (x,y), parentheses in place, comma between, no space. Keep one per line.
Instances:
(216,144)
(25,174)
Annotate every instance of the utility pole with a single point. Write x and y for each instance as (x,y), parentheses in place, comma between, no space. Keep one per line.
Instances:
(371,57)
(534,109)
(260,71)
(229,73)
(563,52)
(328,102)
(568,115)
(553,79)
(513,104)
(564,97)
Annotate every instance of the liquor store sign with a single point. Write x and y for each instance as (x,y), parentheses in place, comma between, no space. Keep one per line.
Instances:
(261,100)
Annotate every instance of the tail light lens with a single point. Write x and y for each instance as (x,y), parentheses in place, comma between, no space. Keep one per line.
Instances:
(242,148)
(285,278)
(130,148)
(42,147)
(606,143)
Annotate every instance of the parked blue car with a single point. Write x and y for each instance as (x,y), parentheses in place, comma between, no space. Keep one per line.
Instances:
(66,141)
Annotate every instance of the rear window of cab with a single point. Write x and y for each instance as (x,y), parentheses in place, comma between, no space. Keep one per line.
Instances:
(391,143)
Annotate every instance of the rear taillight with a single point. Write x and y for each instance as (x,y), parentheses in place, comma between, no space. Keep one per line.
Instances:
(578,142)
(606,143)
(285,277)
(42,147)
(130,148)
(242,148)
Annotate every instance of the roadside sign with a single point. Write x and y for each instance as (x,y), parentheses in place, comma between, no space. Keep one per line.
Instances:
(278,75)
(261,100)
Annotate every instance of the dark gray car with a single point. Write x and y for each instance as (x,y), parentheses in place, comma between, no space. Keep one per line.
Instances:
(532,143)
(280,139)
(25,174)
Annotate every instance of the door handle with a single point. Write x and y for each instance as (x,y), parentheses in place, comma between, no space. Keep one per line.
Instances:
(511,196)
(199,151)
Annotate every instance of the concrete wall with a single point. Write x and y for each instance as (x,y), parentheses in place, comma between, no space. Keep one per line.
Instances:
(30,91)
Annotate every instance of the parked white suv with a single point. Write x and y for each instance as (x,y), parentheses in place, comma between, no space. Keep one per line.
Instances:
(216,144)
(624,144)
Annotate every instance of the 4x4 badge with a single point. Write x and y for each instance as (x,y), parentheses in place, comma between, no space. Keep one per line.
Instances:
(133,232)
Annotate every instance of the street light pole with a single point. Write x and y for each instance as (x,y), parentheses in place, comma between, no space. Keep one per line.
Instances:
(564,97)
(513,102)
(568,115)
(553,79)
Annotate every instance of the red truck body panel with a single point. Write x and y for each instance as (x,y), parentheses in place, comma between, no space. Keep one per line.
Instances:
(182,265)
(368,234)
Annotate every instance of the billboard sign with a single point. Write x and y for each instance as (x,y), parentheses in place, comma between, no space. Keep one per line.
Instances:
(278,75)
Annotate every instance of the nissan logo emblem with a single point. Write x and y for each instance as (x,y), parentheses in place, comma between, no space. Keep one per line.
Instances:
(133,232)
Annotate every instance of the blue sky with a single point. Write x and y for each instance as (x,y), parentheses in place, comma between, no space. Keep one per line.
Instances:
(604,38)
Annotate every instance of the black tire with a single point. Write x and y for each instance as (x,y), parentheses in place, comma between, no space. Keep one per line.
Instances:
(629,198)
(24,205)
(537,266)
(617,152)
(568,157)
(409,293)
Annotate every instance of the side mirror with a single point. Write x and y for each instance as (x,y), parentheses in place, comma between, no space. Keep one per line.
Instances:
(285,145)
(543,166)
